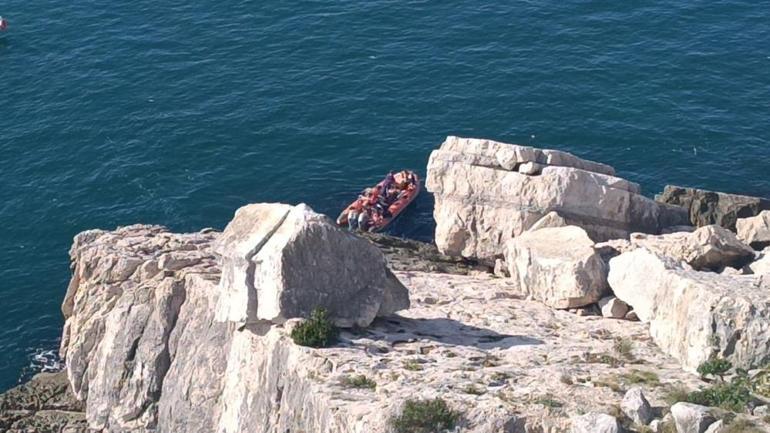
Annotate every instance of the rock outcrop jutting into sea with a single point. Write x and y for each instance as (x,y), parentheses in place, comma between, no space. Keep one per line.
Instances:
(488,192)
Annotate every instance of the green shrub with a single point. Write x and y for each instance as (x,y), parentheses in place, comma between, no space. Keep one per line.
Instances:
(425,416)
(733,396)
(317,331)
(715,368)
(359,381)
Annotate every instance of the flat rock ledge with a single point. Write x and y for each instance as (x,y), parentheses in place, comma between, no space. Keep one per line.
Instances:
(44,404)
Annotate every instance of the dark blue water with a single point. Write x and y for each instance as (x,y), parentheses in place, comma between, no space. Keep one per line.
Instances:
(178,112)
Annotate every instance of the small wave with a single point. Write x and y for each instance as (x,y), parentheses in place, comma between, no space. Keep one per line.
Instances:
(42,361)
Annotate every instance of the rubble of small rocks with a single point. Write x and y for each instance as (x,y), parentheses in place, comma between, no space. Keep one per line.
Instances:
(708,248)
(486,193)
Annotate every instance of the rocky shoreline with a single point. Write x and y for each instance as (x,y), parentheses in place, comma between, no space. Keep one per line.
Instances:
(556,298)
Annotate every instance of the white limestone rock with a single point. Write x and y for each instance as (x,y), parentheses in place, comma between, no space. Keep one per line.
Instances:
(613,308)
(636,406)
(481,203)
(693,315)
(551,219)
(557,266)
(594,422)
(531,168)
(707,248)
(761,266)
(755,231)
(120,317)
(691,418)
(281,262)
(716,427)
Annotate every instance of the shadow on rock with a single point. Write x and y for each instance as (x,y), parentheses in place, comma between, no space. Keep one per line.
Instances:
(396,329)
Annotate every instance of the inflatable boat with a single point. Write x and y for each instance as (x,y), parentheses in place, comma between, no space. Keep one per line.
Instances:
(382,203)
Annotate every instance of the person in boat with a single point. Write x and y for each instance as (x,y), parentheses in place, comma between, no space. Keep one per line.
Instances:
(388,183)
(354,211)
(3,24)
(364,219)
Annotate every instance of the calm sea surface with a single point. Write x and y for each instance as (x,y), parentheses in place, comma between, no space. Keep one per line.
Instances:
(178,112)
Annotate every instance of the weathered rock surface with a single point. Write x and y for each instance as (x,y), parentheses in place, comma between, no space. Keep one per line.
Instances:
(557,266)
(755,231)
(154,357)
(281,262)
(693,315)
(613,308)
(411,255)
(42,405)
(636,406)
(594,422)
(551,219)
(709,207)
(707,248)
(481,202)
(762,264)
(691,418)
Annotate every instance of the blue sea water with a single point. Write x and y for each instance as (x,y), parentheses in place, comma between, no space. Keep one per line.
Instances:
(177,113)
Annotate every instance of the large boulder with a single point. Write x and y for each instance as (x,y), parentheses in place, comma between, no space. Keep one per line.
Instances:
(755,231)
(695,316)
(482,200)
(709,207)
(636,406)
(707,248)
(691,418)
(281,262)
(557,266)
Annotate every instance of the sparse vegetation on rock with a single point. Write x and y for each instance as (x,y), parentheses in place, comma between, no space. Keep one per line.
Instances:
(317,331)
(360,382)
(715,368)
(425,416)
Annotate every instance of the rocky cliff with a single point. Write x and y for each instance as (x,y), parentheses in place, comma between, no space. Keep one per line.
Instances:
(591,322)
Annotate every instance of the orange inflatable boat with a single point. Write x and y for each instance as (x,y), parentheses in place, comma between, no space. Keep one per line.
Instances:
(378,206)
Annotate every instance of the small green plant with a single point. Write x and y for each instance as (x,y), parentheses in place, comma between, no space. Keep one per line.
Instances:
(602,358)
(715,368)
(412,365)
(425,416)
(624,348)
(360,382)
(500,376)
(317,331)
(548,401)
(474,390)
